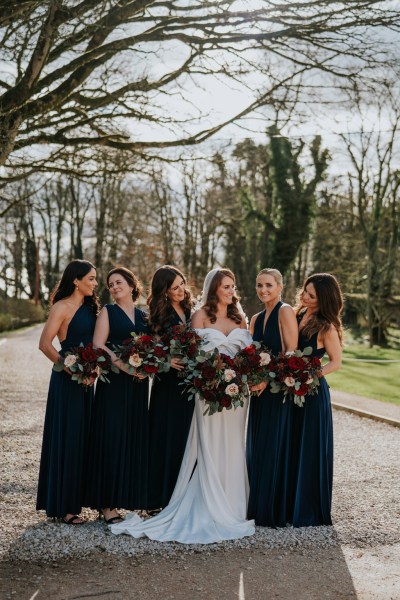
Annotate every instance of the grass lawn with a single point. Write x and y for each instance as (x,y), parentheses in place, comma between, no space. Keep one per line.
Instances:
(380,381)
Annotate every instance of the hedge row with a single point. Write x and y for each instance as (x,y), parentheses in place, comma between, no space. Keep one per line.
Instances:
(19,313)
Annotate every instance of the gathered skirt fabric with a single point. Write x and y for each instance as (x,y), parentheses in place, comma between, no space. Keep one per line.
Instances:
(118,456)
(314,435)
(65,447)
(210,498)
(170,416)
(270,460)
(209,502)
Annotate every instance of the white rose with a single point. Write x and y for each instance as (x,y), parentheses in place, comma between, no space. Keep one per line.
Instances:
(289,381)
(232,389)
(309,380)
(229,374)
(265,358)
(70,360)
(135,360)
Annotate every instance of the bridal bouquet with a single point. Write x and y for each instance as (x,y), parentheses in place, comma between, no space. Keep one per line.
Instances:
(217,381)
(296,374)
(183,342)
(253,363)
(87,364)
(143,355)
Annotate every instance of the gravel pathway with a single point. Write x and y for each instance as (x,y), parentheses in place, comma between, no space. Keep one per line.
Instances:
(366,509)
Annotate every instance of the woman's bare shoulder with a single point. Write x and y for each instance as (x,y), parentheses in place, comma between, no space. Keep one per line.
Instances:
(199,317)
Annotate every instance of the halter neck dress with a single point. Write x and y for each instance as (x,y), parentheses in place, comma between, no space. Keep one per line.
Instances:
(269,437)
(118,456)
(314,451)
(66,430)
(170,416)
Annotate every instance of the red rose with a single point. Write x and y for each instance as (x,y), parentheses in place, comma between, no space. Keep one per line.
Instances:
(150,368)
(209,372)
(254,360)
(158,351)
(228,361)
(197,382)
(88,355)
(145,339)
(225,401)
(315,362)
(249,350)
(303,389)
(303,376)
(295,362)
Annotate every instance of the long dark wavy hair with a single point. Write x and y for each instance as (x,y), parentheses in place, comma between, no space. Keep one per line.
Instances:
(76,269)
(211,302)
(160,309)
(130,278)
(330,305)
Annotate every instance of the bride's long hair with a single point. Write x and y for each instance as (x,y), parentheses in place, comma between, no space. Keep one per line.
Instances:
(210,305)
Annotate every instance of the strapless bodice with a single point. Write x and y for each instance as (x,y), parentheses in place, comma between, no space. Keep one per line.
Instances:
(230,344)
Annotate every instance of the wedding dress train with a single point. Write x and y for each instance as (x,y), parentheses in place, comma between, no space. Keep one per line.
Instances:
(209,502)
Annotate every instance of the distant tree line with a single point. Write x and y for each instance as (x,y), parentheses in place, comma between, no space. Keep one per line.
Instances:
(272,204)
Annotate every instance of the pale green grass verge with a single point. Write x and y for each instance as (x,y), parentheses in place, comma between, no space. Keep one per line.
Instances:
(379,380)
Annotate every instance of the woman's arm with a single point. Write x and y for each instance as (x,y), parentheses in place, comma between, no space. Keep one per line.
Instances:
(333,349)
(100,337)
(289,328)
(55,319)
(198,319)
(261,386)
(252,323)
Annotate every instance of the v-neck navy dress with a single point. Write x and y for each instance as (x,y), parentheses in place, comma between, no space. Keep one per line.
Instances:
(314,451)
(66,430)
(268,447)
(118,457)
(170,417)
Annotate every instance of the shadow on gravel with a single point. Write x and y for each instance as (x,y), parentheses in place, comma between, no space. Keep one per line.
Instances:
(256,573)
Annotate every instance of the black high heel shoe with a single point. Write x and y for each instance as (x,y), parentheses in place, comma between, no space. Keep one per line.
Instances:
(111,520)
(70,521)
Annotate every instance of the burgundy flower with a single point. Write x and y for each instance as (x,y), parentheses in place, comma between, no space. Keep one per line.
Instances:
(197,382)
(209,373)
(158,351)
(225,401)
(249,350)
(295,362)
(303,389)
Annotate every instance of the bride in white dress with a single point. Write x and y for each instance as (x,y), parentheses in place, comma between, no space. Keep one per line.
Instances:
(209,502)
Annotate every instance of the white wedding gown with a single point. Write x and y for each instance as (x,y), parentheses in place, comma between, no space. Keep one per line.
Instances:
(209,502)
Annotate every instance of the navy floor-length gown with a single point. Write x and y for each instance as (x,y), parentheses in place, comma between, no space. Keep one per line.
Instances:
(66,430)
(314,452)
(118,455)
(269,442)
(170,417)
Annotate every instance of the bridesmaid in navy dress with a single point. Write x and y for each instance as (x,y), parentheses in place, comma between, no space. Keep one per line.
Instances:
(319,308)
(118,460)
(270,420)
(170,303)
(72,319)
